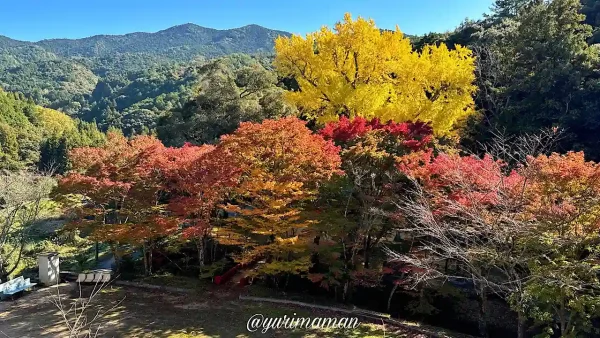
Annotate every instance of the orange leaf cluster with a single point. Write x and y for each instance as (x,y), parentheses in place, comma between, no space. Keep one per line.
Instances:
(122,183)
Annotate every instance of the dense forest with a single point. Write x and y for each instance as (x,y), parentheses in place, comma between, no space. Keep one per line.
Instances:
(126,81)
(451,177)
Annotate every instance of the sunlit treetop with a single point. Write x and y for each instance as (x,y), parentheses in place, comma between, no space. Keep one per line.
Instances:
(564,196)
(359,70)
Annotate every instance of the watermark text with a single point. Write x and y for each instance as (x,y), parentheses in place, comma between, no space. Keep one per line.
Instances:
(259,322)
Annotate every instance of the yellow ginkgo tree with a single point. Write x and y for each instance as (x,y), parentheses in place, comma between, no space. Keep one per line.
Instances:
(359,70)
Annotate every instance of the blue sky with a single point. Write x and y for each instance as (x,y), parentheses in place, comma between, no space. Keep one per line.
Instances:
(34,20)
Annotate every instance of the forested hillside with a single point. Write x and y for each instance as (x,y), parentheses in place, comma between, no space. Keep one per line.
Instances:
(202,82)
(135,76)
(33,135)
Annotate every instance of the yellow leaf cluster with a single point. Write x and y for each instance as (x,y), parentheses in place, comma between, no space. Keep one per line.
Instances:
(56,123)
(358,70)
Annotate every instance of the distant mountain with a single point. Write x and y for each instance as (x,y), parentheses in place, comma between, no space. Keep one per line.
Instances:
(72,75)
(180,43)
(8,42)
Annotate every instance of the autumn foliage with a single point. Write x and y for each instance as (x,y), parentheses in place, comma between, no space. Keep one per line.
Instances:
(373,173)
(322,204)
(359,70)
(282,164)
(565,196)
(559,192)
(138,191)
(412,135)
(350,232)
(468,180)
(536,225)
(122,184)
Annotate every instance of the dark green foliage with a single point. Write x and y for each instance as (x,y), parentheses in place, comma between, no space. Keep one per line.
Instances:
(129,90)
(52,83)
(535,70)
(19,137)
(591,10)
(183,42)
(546,62)
(230,92)
(180,43)
(503,9)
(54,156)
(9,147)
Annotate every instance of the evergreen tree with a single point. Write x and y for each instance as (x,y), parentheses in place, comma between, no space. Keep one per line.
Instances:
(591,10)
(54,156)
(540,74)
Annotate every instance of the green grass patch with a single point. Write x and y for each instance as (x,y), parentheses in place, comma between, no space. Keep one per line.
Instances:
(46,235)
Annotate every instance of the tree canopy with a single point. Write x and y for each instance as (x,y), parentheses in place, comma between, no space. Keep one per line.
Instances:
(359,70)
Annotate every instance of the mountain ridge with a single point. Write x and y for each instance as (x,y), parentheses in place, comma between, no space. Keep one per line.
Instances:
(188,24)
(182,42)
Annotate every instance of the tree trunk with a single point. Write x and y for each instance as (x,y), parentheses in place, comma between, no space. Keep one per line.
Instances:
(389,302)
(562,316)
(214,250)
(205,248)
(113,249)
(200,248)
(117,261)
(150,258)
(522,322)
(145,255)
(3,273)
(16,264)
(422,303)
(367,248)
(483,330)
(346,288)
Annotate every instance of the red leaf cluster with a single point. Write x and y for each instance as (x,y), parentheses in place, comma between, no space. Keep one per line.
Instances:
(415,135)
(124,180)
(468,180)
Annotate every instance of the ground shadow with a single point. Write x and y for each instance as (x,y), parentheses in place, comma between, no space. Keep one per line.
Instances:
(142,313)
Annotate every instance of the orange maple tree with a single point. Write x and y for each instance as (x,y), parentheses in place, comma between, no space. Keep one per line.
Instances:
(564,196)
(281,165)
(123,186)
(199,184)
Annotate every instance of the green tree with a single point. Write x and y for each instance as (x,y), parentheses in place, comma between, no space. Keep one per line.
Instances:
(54,156)
(226,97)
(591,10)
(111,117)
(502,9)
(536,70)
(9,148)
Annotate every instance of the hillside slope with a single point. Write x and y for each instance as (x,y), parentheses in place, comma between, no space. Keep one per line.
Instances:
(85,77)
(180,43)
